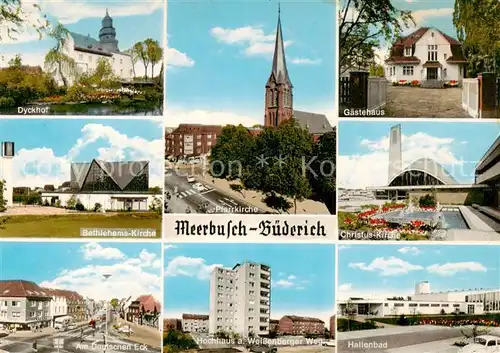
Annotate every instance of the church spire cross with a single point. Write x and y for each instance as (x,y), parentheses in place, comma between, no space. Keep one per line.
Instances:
(279,61)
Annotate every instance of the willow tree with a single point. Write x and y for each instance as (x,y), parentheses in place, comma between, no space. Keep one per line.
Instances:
(478,27)
(154,53)
(363,24)
(14,19)
(56,60)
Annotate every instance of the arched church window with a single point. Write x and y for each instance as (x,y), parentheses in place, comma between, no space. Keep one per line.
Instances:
(275,97)
(269,97)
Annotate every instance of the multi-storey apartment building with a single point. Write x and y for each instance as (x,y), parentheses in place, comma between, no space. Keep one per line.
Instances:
(23,304)
(299,325)
(195,323)
(172,324)
(191,140)
(240,299)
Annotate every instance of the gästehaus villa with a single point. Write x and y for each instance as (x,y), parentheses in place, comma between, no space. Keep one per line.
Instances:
(427,58)
(114,186)
(86,51)
(425,302)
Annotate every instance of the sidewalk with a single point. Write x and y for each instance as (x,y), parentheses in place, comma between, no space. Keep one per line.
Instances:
(46,331)
(444,346)
(141,334)
(254,198)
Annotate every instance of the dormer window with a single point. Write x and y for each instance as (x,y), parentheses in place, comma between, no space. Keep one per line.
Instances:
(432,34)
(408,51)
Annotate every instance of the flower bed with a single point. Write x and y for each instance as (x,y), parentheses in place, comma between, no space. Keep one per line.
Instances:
(452,83)
(370,220)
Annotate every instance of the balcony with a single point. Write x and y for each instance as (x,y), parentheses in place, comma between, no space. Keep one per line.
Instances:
(264,303)
(265,269)
(265,286)
(264,294)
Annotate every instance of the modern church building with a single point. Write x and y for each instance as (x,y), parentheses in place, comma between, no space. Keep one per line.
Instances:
(425,302)
(425,176)
(116,186)
(86,51)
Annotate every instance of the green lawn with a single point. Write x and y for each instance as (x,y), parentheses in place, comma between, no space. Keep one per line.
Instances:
(68,226)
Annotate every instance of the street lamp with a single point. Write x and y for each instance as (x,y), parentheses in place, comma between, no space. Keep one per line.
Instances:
(106,276)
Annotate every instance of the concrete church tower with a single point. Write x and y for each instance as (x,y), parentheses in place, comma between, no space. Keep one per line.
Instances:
(6,171)
(395,152)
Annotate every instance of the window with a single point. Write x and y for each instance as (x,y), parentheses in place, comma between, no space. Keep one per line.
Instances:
(445,55)
(432,54)
(121,61)
(408,51)
(275,103)
(269,97)
(80,57)
(407,70)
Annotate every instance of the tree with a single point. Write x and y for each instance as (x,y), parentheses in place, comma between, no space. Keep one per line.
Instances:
(3,202)
(16,62)
(477,23)
(154,53)
(234,150)
(102,76)
(322,174)
(362,24)
(13,17)
(376,70)
(141,53)
(279,166)
(350,311)
(143,313)
(114,302)
(56,60)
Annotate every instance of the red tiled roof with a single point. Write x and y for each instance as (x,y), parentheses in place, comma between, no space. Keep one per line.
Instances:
(70,295)
(22,289)
(397,50)
(194,317)
(148,302)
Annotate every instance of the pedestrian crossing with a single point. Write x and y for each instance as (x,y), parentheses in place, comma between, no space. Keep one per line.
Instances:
(189,192)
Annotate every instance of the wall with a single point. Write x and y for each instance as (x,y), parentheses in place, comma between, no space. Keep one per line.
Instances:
(377,93)
(450,197)
(111,202)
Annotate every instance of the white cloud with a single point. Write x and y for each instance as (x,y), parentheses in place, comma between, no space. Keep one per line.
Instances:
(89,280)
(291,282)
(391,266)
(348,290)
(452,268)
(169,246)
(344,247)
(195,267)
(412,250)
(305,61)
(40,166)
(352,170)
(255,41)
(175,57)
(176,117)
(95,251)
(344,287)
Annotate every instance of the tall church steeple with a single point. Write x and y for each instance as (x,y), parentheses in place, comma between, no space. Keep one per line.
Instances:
(279,96)
(107,34)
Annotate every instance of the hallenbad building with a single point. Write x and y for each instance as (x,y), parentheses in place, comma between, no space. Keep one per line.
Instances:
(426,302)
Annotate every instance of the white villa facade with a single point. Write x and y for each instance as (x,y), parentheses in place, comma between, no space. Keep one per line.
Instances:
(424,302)
(426,55)
(86,51)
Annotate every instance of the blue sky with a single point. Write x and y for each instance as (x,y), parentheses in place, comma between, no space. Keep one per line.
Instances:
(221,59)
(81,266)
(43,157)
(382,270)
(294,283)
(133,21)
(458,146)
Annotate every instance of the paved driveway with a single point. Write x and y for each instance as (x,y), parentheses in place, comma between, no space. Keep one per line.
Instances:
(415,102)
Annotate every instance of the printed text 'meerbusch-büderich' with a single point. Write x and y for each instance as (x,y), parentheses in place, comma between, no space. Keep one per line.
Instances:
(240,229)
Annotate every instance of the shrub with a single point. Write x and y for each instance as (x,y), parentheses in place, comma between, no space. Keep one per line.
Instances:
(344,325)
(97,207)
(79,206)
(427,201)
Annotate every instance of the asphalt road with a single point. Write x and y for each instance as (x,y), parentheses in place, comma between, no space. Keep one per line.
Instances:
(398,340)
(73,342)
(187,196)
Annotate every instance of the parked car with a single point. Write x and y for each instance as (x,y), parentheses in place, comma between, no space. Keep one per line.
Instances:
(330,343)
(263,349)
(191,179)
(483,344)
(72,326)
(199,187)
(125,329)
